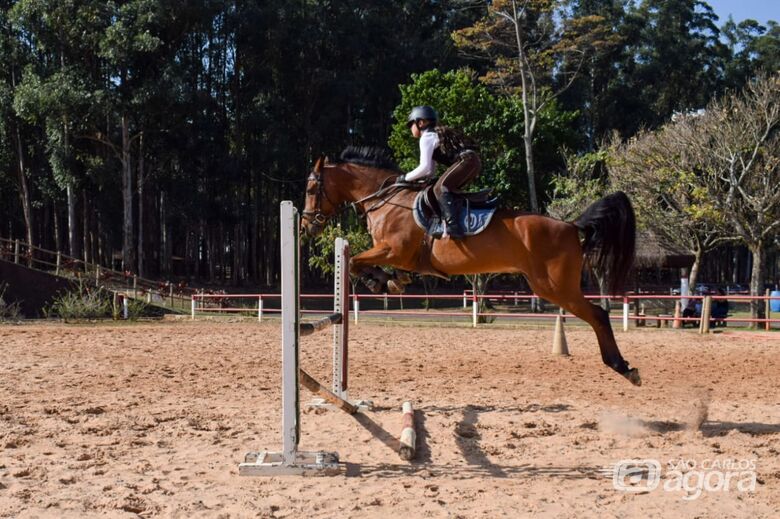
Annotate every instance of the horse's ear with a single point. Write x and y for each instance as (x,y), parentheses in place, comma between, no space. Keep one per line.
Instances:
(319,164)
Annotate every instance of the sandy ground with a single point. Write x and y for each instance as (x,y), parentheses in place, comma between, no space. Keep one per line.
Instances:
(152,420)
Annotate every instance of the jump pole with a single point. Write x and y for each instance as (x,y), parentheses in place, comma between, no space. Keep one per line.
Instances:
(408,440)
(291,461)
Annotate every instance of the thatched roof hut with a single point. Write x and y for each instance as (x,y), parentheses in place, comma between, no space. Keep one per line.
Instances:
(652,252)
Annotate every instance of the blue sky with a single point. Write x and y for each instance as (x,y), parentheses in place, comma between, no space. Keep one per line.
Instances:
(761,10)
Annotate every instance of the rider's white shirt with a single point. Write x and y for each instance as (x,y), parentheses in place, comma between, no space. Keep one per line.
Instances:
(428,142)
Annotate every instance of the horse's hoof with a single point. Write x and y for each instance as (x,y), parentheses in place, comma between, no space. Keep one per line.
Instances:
(633,376)
(403,277)
(395,287)
(373,285)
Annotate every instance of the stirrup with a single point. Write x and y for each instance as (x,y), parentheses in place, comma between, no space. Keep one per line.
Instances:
(448,228)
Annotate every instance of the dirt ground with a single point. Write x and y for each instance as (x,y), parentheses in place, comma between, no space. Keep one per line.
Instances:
(153,419)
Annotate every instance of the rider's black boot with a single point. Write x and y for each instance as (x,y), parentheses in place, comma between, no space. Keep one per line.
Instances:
(449,215)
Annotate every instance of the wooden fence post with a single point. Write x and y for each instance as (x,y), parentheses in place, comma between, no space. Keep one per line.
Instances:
(767,310)
(706,312)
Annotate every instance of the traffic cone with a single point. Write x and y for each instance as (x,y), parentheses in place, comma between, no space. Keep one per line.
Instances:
(677,314)
(560,347)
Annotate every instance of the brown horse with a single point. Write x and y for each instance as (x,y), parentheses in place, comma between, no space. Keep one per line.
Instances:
(550,253)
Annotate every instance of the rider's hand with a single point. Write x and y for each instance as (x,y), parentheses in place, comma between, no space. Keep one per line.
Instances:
(401,179)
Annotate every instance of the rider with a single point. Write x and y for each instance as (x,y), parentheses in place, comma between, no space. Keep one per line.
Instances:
(451,148)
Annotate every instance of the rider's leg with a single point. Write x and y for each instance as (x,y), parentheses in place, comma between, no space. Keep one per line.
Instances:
(455,178)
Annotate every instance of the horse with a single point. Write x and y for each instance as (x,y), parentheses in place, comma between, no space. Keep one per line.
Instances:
(550,253)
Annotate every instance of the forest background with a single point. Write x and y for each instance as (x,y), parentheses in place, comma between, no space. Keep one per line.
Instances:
(158,137)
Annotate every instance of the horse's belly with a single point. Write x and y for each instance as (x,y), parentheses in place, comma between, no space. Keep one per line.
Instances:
(475,255)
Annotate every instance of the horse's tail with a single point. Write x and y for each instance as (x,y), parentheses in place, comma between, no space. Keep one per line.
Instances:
(609,246)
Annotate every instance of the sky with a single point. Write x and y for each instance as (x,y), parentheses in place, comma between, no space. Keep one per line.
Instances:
(761,10)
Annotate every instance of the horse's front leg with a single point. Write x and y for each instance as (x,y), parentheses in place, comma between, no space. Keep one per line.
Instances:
(364,266)
(397,285)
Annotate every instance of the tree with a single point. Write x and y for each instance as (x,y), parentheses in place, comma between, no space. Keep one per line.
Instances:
(662,176)
(752,48)
(493,120)
(321,254)
(738,140)
(535,50)
(712,176)
(12,152)
(679,58)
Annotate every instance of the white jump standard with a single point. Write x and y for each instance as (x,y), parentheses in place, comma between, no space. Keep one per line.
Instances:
(290,461)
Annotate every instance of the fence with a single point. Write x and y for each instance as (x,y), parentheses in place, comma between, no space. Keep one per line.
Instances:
(59,264)
(641,309)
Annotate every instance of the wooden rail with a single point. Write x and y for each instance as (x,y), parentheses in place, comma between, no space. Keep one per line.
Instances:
(62,265)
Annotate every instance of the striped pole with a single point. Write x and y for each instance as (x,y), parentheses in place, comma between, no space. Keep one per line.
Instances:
(408,439)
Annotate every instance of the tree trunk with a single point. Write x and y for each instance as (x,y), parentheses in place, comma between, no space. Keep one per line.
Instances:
(73,244)
(479,286)
(85,245)
(24,192)
(757,252)
(165,253)
(530,169)
(140,183)
(528,116)
(57,239)
(254,230)
(101,252)
(128,252)
(698,254)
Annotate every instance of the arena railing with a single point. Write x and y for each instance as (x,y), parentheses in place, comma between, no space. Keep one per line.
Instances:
(636,308)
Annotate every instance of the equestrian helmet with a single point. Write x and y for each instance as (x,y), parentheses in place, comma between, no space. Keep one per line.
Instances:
(422,112)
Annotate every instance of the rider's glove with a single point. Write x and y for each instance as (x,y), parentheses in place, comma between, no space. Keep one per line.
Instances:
(400,179)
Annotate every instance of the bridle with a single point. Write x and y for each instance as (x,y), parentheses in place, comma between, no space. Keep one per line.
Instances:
(317,216)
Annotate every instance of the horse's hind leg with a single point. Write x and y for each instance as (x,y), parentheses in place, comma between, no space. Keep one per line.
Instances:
(574,302)
(598,318)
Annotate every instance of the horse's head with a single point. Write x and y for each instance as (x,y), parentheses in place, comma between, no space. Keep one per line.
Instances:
(318,206)
(356,176)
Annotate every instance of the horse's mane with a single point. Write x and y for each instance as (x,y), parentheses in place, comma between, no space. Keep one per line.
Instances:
(371,156)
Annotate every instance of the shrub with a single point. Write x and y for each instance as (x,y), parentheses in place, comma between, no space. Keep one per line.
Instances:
(82,303)
(136,308)
(9,312)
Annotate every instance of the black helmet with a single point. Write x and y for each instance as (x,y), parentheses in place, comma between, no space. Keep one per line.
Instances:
(422,112)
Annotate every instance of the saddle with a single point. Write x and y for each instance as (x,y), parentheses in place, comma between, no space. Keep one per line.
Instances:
(474,211)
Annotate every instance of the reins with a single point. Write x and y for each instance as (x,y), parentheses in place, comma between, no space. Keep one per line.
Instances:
(318,216)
